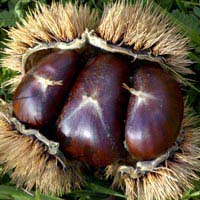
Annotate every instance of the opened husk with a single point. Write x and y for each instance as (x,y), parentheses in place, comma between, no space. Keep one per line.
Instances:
(139,31)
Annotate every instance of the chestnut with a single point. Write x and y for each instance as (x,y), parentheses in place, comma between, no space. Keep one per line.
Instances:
(155,113)
(91,126)
(93,121)
(40,95)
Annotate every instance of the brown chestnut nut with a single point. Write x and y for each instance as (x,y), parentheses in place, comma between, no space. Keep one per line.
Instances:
(155,112)
(40,95)
(91,126)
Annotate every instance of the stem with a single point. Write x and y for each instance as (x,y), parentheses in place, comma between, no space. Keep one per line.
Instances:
(132,90)
(139,94)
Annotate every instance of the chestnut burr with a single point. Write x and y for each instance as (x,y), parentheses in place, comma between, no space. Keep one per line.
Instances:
(91,127)
(155,113)
(40,95)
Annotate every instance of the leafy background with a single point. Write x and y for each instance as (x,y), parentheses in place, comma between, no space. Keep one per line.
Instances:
(185,14)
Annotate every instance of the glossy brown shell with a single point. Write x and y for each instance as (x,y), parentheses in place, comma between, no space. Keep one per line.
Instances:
(40,95)
(91,125)
(153,117)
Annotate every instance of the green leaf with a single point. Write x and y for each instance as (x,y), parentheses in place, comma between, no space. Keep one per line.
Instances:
(95,191)
(195,194)
(11,4)
(3,36)
(186,195)
(86,194)
(5,74)
(104,190)
(181,5)
(186,28)
(21,8)
(46,197)
(194,57)
(167,4)
(3,1)
(196,11)
(7,18)
(11,193)
(190,3)
(197,49)
(190,20)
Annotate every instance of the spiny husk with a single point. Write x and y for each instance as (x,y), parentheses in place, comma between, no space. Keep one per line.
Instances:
(46,24)
(31,164)
(171,179)
(145,28)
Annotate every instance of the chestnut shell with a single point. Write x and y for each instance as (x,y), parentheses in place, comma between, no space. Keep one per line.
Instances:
(40,96)
(91,126)
(153,118)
